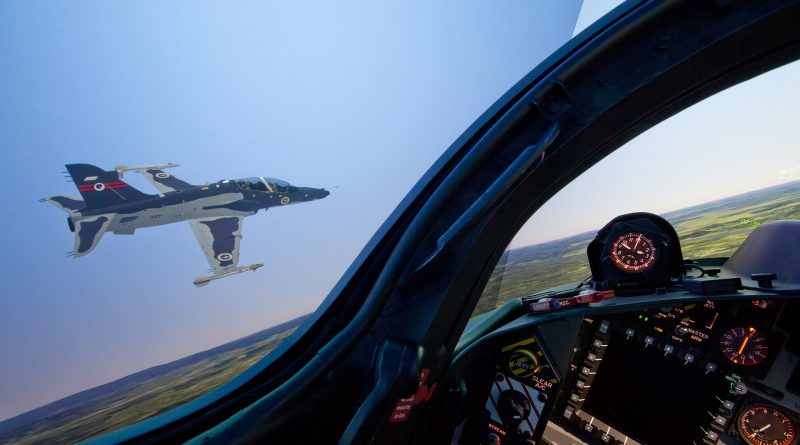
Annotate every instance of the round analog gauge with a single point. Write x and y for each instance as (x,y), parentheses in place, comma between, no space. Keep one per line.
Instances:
(763,425)
(633,252)
(744,346)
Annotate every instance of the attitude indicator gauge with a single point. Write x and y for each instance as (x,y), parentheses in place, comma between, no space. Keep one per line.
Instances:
(764,425)
(633,252)
(744,346)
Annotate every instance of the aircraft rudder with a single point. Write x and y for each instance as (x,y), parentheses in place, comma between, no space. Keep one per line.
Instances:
(100,188)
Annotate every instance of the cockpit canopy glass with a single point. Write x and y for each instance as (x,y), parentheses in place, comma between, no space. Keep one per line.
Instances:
(263,184)
(260,118)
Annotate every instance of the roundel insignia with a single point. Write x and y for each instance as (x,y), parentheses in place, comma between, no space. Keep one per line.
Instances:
(225,256)
(99,186)
(162,175)
(285,200)
(523,363)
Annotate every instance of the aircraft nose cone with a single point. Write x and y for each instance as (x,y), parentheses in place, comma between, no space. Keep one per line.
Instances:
(312,193)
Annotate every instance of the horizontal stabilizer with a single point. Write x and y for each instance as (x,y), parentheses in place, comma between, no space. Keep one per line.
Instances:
(89,231)
(121,169)
(155,174)
(65,203)
(164,181)
(202,281)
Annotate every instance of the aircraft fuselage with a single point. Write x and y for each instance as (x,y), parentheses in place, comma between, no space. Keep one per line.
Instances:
(223,198)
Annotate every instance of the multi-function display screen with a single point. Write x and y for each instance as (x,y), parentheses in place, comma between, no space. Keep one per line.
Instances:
(642,392)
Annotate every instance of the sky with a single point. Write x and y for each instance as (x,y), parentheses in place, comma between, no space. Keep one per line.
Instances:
(358,97)
(741,139)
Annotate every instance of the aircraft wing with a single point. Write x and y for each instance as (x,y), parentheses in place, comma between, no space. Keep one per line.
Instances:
(163,181)
(219,238)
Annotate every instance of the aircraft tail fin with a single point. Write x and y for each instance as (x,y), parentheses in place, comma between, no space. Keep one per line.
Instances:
(100,188)
(88,232)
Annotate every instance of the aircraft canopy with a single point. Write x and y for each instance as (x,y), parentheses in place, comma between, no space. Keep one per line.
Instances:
(263,184)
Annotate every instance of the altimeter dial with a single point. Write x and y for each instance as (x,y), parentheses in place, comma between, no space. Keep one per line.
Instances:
(765,425)
(633,252)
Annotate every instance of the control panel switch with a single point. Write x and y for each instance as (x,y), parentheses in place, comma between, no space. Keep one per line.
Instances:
(719,422)
(728,405)
(711,438)
(726,408)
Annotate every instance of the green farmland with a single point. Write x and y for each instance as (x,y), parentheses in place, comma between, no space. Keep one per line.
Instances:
(709,230)
(142,395)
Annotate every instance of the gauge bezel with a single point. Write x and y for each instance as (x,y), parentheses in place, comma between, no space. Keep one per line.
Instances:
(752,335)
(759,370)
(665,270)
(620,264)
(771,410)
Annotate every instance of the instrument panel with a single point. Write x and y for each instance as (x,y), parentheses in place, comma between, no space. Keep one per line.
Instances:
(649,353)
(692,374)
(523,382)
(702,372)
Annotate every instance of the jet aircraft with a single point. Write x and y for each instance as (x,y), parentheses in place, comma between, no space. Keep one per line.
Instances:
(214,211)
